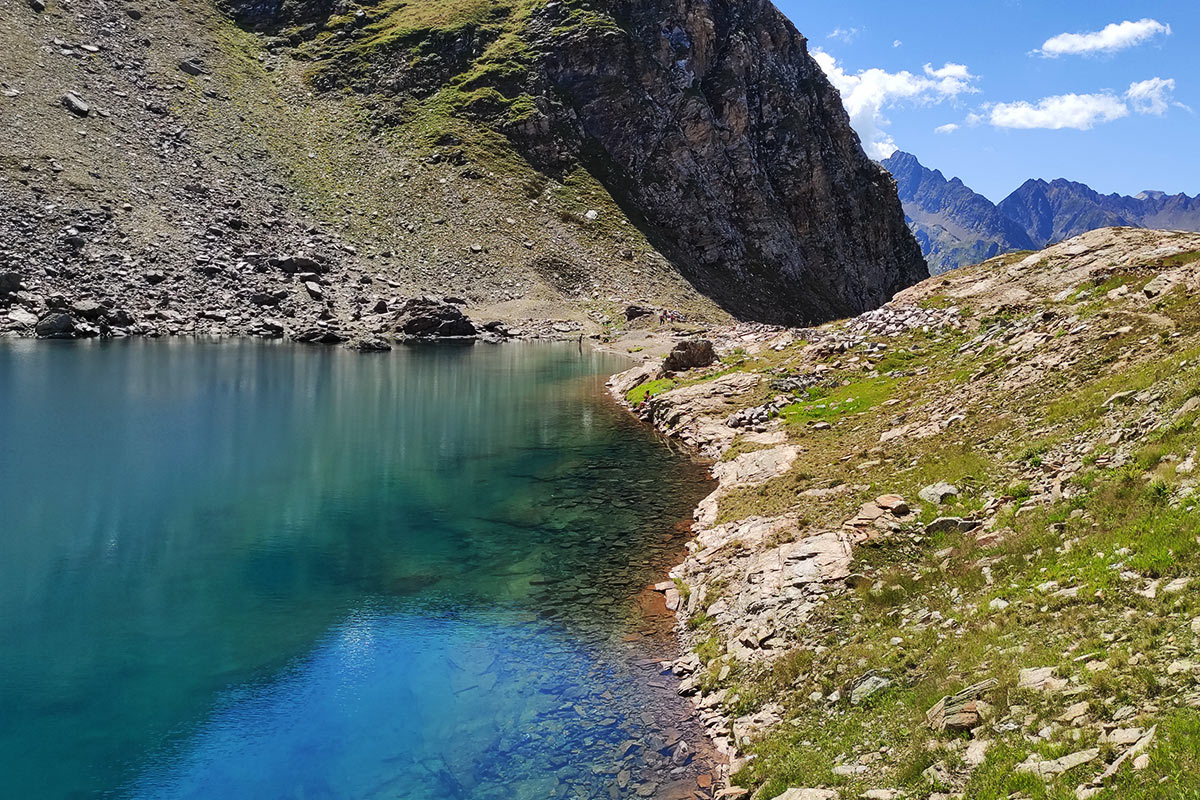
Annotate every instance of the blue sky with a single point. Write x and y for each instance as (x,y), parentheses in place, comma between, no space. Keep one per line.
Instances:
(1103,92)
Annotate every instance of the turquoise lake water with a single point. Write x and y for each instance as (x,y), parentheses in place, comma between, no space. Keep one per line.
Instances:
(245,570)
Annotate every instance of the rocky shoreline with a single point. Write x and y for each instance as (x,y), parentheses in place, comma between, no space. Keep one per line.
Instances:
(853,517)
(41,307)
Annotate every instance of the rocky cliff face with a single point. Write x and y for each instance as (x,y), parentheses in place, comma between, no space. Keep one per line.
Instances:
(708,123)
(954,225)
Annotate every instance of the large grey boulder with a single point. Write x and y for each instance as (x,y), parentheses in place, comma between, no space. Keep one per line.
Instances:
(56,325)
(428,317)
(10,283)
(691,354)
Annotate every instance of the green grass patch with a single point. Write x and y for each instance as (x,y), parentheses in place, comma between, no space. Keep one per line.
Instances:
(645,391)
(833,404)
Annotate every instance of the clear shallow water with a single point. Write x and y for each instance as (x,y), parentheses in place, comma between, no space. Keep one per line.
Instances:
(241,570)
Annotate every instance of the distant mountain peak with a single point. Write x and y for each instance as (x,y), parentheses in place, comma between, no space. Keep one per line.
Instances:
(956,226)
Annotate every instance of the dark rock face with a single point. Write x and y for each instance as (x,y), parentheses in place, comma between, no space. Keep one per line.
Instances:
(954,225)
(713,126)
(427,317)
(690,355)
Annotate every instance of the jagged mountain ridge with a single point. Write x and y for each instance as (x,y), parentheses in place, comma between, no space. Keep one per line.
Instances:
(545,160)
(957,226)
(954,225)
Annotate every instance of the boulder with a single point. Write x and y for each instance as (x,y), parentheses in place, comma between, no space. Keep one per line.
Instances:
(691,354)
(10,283)
(295,264)
(87,309)
(56,325)
(937,493)
(428,317)
(76,104)
(371,344)
(320,336)
(960,711)
(633,312)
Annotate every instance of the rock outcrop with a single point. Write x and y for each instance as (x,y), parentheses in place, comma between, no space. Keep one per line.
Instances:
(711,123)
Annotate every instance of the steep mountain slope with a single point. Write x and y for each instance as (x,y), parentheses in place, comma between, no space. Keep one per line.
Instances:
(537,159)
(954,225)
(954,543)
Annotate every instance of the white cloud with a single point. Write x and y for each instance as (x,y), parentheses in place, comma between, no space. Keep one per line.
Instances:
(1077,111)
(949,127)
(867,93)
(897,43)
(1152,96)
(1081,112)
(846,35)
(1113,37)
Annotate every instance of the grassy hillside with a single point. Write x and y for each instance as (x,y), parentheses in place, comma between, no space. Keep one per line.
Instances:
(1058,396)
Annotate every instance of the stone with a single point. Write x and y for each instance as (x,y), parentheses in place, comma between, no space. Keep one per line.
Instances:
(1050,768)
(893,503)
(426,317)
(636,312)
(998,604)
(56,325)
(690,354)
(1116,398)
(298,263)
(314,291)
(1138,748)
(87,309)
(951,524)
(22,317)
(866,686)
(937,493)
(371,344)
(76,104)
(976,752)
(1159,284)
(1176,586)
(1074,713)
(192,67)
(10,283)
(959,711)
(320,336)
(1041,679)
(808,794)
(1122,736)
